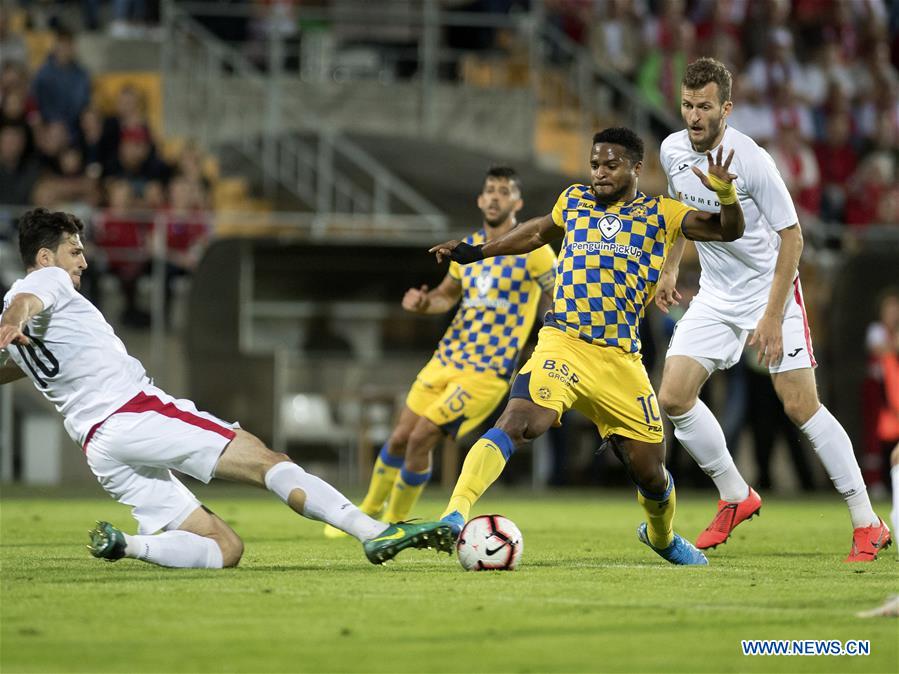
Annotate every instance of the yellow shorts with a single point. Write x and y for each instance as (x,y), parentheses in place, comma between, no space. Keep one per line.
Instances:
(604,383)
(455,400)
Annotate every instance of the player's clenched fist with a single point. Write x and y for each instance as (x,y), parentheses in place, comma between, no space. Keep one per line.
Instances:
(416,300)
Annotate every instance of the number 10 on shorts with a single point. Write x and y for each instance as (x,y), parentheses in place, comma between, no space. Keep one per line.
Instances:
(650,407)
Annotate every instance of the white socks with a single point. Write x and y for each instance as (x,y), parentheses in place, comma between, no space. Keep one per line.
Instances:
(180,549)
(323,502)
(835,451)
(701,435)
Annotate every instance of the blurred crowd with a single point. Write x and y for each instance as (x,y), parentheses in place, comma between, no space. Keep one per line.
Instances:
(880,394)
(816,83)
(59,149)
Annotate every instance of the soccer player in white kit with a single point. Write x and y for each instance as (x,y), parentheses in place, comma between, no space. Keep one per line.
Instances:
(747,287)
(134,434)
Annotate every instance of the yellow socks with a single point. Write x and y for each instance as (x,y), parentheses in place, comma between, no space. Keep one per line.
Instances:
(406,489)
(384,474)
(659,514)
(483,464)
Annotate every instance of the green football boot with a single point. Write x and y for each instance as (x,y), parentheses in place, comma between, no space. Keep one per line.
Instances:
(107,542)
(397,537)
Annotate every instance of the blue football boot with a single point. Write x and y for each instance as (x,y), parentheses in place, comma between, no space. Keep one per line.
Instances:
(681,551)
(455,521)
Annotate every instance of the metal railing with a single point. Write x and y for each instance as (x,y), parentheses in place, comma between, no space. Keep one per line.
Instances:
(330,34)
(207,84)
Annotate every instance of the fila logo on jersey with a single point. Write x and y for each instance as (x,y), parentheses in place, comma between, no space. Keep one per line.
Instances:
(610,225)
(484,283)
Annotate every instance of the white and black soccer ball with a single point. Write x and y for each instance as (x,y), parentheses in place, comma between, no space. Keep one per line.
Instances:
(490,543)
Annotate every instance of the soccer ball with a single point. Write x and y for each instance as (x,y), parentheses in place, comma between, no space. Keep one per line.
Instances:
(490,543)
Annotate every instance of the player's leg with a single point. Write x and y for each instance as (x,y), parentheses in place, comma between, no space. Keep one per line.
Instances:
(798,392)
(191,536)
(430,384)
(645,464)
(521,421)
(385,472)
(246,459)
(703,342)
(622,404)
(696,427)
(467,400)
(388,464)
(203,540)
(416,471)
(128,454)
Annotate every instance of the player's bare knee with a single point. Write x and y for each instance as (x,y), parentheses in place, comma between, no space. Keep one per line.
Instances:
(423,438)
(398,441)
(231,546)
(514,425)
(894,456)
(800,408)
(418,451)
(675,401)
(652,477)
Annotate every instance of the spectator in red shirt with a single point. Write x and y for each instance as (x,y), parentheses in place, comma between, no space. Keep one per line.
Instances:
(121,232)
(837,161)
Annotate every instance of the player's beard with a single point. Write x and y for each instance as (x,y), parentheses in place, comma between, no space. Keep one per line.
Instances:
(498,221)
(618,195)
(713,128)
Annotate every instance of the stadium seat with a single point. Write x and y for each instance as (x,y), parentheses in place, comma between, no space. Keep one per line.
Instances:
(306,419)
(39,43)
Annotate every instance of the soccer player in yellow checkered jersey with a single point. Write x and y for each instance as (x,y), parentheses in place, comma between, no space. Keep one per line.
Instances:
(468,375)
(588,353)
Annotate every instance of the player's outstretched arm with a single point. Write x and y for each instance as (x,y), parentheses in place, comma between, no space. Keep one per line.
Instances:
(19,312)
(522,239)
(728,225)
(437,301)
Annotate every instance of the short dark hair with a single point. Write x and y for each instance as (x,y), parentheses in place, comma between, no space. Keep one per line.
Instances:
(620,135)
(507,172)
(706,70)
(39,228)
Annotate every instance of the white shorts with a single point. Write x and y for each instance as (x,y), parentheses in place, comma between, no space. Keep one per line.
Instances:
(134,450)
(716,340)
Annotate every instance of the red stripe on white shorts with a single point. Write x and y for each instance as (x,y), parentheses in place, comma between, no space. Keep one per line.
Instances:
(797,295)
(142,403)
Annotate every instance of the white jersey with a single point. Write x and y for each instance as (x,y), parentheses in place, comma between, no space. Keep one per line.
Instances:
(75,358)
(736,276)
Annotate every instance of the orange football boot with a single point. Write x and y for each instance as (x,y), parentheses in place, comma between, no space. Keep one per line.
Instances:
(728,517)
(868,541)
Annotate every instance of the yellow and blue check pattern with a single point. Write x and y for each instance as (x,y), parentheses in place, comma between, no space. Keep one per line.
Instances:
(610,263)
(499,303)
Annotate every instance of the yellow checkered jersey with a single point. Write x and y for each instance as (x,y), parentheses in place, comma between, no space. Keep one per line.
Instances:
(609,264)
(499,302)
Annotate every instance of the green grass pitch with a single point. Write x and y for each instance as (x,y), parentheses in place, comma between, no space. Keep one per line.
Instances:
(587,598)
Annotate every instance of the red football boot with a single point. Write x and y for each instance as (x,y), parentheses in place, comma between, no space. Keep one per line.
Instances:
(868,541)
(728,517)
